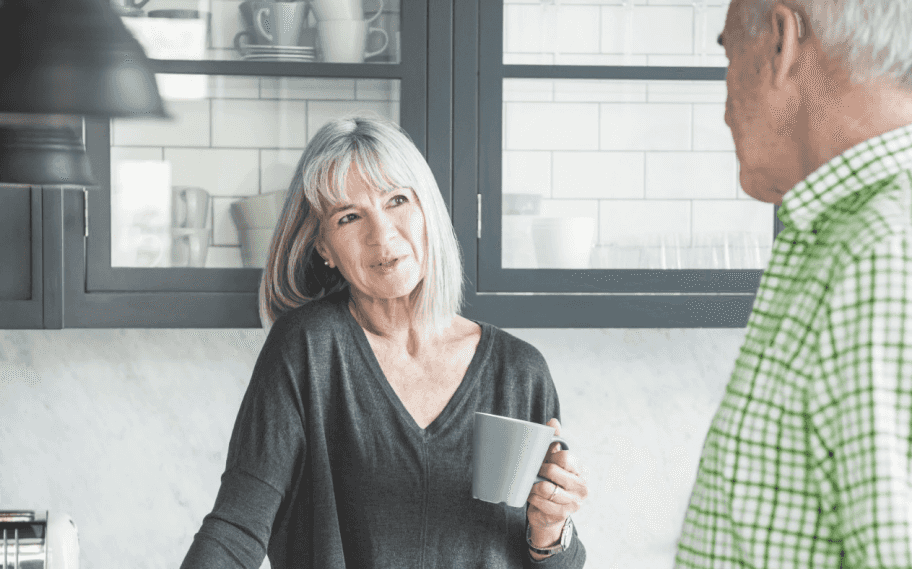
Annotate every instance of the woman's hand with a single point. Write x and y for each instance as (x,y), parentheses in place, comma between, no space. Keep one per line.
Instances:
(551,503)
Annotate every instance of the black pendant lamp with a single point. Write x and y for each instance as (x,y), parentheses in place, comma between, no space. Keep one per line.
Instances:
(62,59)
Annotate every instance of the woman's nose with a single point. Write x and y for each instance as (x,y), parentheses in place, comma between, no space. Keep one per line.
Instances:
(380,229)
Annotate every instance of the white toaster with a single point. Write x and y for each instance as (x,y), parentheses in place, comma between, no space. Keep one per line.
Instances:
(38,539)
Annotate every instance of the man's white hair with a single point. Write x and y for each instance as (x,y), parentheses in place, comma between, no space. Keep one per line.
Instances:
(870,39)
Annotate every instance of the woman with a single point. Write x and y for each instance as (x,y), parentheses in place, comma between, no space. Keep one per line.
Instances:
(352,446)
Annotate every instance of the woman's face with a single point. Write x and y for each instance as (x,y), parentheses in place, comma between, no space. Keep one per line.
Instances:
(377,240)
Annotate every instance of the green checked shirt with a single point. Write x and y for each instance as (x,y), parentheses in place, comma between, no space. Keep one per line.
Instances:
(808,460)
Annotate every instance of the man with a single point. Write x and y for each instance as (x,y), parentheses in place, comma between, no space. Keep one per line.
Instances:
(808,461)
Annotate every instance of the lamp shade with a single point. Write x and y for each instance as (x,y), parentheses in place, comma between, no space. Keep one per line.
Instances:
(73,57)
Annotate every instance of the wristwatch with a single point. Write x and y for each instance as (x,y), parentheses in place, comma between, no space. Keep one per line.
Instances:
(566,537)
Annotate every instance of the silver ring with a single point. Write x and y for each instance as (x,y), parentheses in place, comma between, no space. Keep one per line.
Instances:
(556,487)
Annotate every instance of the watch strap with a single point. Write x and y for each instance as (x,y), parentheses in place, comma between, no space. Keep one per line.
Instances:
(565,539)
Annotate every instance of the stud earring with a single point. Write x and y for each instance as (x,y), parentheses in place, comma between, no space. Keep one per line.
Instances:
(326,263)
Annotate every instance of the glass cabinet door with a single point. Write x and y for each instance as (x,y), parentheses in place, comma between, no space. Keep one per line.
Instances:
(205,188)
(599,169)
(330,31)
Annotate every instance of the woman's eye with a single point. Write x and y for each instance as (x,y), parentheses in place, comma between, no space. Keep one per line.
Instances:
(399,200)
(347,218)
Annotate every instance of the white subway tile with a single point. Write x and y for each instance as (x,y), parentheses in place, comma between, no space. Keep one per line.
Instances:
(617,29)
(663,30)
(259,124)
(733,216)
(570,208)
(121,153)
(689,175)
(600,91)
(599,59)
(551,126)
(307,88)
(219,171)
(711,28)
(189,127)
(377,89)
(528,58)
(636,126)
(710,130)
(224,231)
(599,175)
(577,29)
(524,90)
(224,258)
(526,173)
(528,28)
(623,220)
(686,91)
(660,60)
(549,28)
(647,30)
(277,168)
(318,112)
(233,87)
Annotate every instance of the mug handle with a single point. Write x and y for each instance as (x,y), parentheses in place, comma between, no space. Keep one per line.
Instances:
(238,45)
(386,40)
(140,4)
(375,16)
(564,446)
(258,20)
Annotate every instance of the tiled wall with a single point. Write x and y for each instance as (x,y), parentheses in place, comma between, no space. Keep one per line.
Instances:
(644,158)
(244,138)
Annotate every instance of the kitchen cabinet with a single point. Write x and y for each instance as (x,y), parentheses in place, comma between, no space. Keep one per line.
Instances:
(238,125)
(500,107)
(611,116)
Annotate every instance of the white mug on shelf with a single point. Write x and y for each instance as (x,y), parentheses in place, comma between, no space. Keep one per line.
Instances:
(344,41)
(342,10)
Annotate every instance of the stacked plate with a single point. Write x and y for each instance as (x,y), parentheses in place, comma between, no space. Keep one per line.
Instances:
(277,53)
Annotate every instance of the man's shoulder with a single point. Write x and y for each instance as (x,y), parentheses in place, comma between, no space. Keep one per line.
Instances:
(874,216)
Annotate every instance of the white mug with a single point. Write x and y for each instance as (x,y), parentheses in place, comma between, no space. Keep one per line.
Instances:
(281,23)
(507,454)
(344,41)
(341,10)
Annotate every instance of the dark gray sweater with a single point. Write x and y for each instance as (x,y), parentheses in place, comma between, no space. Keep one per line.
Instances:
(327,469)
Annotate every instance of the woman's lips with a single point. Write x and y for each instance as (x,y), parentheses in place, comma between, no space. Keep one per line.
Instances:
(386,265)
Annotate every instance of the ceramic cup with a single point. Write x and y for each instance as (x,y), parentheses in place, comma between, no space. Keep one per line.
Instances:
(281,23)
(507,454)
(341,10)
(563,242)
(189,207)
(344,41)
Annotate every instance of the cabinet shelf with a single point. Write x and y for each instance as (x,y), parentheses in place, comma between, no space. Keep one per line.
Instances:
(279,68)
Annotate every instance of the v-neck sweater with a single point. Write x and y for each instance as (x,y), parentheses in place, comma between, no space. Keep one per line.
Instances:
(326,468)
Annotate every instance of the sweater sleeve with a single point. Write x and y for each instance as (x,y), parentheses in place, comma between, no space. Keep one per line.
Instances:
(265,449)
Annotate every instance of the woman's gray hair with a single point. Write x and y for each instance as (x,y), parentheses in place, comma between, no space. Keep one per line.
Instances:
(386,157)
(851,32)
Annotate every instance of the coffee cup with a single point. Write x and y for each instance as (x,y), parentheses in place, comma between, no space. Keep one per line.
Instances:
(341,10)
(189,207)
(563,242)
(507,454)
(189,246)
(281,23)
(344,41)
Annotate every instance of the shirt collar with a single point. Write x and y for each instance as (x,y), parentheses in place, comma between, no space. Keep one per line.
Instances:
(862,165)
